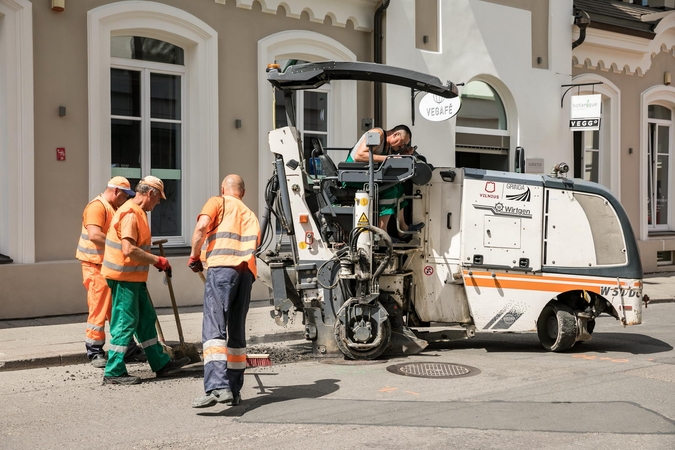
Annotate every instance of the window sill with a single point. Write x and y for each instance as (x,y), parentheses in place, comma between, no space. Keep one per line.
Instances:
(173,251)
(664,233)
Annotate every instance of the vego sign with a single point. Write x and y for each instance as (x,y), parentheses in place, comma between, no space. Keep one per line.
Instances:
(585,112)
(437,109)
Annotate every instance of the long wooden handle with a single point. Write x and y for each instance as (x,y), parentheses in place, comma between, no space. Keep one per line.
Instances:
(201,275)
(157,325)
(171,294)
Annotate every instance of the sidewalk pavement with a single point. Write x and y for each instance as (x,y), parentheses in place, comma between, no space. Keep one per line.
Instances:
(55,341)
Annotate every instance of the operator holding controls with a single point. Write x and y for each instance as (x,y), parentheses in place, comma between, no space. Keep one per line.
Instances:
(392,142)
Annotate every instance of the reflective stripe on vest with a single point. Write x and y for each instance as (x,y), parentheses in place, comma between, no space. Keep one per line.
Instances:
(86,249)
(235,240)
(115,265)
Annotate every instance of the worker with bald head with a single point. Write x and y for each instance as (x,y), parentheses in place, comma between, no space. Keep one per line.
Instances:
(230,233)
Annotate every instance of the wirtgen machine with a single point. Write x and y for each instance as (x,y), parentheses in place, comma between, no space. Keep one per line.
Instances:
(499,252)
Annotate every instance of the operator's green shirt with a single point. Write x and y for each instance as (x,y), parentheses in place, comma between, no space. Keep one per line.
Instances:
(387,198)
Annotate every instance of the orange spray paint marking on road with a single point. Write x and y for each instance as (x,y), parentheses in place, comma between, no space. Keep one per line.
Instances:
(388,389)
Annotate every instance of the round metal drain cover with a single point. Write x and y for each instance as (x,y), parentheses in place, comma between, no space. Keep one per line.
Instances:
(433,370)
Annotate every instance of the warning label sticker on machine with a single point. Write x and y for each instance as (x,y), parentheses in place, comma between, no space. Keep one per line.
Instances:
(363,220)
(428,271)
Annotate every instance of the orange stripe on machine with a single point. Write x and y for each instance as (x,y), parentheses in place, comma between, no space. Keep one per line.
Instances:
(536,282)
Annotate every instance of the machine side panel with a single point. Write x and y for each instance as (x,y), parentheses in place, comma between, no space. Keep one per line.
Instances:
(502,223)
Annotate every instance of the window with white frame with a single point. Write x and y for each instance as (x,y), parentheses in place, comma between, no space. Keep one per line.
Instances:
(146,98)
(312,116)
(659,129)
(482,137)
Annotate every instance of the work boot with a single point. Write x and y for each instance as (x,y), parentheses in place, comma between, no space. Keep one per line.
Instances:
(172,367)
(416,227)
(213,397)
(136,357)
(124,380)
(236,400)
(99,361)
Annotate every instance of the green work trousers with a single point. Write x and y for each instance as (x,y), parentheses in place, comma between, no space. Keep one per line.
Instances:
(132,314)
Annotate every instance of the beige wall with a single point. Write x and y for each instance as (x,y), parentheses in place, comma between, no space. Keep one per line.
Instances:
(61,188)
(631,88)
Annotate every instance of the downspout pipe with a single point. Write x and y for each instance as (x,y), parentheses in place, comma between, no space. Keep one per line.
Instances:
(582,20)
(377,55)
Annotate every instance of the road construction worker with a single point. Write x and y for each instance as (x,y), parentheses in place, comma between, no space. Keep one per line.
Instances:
(392,142)
(125,266)
(232,233)
(95,223)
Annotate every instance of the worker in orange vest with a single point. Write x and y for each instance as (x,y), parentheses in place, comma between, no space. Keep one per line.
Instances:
(232,233)
(95,223)
(125,266)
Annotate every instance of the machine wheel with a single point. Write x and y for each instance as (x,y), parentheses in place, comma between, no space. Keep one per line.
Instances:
(371,353)
(557,327)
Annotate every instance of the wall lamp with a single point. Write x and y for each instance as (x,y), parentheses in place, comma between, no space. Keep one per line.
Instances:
(58,5)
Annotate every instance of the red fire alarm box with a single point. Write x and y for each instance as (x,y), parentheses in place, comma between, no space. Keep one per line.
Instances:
(61,154)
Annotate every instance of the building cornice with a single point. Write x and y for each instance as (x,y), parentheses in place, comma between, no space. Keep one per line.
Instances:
(359,12)
(623,53)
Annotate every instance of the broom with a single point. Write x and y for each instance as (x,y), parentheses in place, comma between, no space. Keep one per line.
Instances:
(252,359)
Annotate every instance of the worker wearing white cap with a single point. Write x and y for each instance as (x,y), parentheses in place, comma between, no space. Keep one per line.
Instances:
(95,223)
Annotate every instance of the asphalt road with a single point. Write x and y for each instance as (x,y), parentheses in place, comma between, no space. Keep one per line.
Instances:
(614,392)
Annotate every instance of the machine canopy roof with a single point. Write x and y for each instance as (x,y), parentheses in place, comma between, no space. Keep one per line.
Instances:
(313,75)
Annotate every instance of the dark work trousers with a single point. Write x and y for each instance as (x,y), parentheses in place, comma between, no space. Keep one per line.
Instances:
(227,296)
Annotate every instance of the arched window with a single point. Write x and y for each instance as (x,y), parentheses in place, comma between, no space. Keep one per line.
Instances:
(482,139)
(333,123)
(659,167)
(17,162)
(153,106)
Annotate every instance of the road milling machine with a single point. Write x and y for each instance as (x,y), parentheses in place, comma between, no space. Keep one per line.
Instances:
(499,251)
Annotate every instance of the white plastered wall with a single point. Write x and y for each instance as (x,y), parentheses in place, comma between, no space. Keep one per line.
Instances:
(17,189)
(487,41)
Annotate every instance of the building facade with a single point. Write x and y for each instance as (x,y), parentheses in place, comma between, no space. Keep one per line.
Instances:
(171,88)
(178,89)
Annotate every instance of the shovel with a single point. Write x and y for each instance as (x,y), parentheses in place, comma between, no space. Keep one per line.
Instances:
(182,350)
(168,350)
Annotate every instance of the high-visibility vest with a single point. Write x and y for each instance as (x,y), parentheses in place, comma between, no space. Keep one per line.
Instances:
(87,250)
(115,265)
(235,239)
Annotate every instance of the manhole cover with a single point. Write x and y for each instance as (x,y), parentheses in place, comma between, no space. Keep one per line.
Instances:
(433,370)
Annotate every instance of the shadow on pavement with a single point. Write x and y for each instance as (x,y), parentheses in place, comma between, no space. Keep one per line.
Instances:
(602,342)
(274,394)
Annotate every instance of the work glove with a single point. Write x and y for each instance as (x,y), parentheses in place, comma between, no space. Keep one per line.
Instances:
(164,266)
(195,264)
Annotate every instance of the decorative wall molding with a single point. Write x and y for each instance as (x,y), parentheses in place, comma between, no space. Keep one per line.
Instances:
(359,12)
(17,142)
(621,53)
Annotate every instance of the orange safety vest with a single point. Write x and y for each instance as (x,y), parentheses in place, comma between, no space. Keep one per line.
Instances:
(235,239)
(116,266)
(87,250)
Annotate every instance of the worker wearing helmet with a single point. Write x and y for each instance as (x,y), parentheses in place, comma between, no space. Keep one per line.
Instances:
(96,220)
(125,266)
